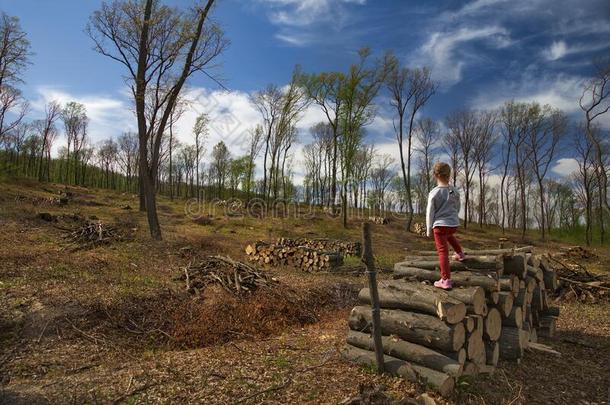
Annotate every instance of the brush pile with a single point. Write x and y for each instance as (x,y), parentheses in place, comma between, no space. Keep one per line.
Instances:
(301,257)
(498,307)
(92,234)
(577,252)
(576,283)
(235,277)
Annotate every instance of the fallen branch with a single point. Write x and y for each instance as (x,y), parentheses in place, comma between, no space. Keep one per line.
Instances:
(584,284)
(286,383)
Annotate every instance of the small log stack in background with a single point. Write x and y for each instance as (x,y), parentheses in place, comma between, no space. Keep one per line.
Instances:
(498,307)
(346,248)
(379,220)
(310,255)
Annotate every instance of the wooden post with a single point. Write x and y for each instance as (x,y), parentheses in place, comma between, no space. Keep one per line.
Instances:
(367,259)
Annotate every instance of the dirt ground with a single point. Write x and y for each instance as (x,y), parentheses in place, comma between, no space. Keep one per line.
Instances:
(113,324)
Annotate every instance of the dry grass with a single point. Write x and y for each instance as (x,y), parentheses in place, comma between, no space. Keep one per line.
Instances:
(111,323)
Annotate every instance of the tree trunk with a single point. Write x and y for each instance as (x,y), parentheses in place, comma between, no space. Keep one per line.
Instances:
(511,347)
(410,352)
(506,302)
(471,263)
(471,296)
(151,207)
(493,324)
(515,318)
(492,353)
(460,279)
(417,297)
(443,383)
(422,329)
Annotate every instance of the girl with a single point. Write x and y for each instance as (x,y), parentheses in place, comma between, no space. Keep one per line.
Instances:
(442,220)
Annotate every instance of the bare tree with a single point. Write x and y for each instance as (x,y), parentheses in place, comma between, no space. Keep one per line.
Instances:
(14,57)
(201,132)
(221,160)
(161,47)
(427,135)
(595,101)
(410,90)
(269,103)
(128,155)
(254,147)
(511,116)
(546,129)
(325,90)
(74,117)
(381,177)
(293,102)
(451,147)
(48,132)
(485,142)
(464,127)
(107,155)
(584,178)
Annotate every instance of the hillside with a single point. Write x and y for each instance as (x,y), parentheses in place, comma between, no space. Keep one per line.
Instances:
(113,323)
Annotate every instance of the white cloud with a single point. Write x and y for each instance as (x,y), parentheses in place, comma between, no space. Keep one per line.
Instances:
(300,20)
(109,115)
(471,8)
(443,51)
(300,13)
(560,49)
(556,51)
(565,167)
(560,91)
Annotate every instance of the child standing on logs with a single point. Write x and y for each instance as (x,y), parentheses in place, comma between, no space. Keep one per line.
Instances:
(442,220)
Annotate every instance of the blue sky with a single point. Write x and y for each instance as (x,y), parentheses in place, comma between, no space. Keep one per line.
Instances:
(482,52)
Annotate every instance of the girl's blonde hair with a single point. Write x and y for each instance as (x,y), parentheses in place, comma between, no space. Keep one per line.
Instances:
(442,171)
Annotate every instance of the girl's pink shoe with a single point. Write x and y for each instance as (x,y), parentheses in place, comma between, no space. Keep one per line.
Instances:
(445,284)
(459,256)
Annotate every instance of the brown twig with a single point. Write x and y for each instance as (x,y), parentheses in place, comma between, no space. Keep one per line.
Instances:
(287,382)
(584,284)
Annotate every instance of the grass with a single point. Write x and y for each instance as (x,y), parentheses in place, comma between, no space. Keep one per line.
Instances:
(104,289)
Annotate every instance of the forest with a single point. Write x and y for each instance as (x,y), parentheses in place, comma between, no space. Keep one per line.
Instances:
(503,158)
(285,259)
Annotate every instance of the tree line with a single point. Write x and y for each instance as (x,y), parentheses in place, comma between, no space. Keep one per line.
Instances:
(502,158)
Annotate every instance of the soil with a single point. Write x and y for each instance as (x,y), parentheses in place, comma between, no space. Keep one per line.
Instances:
(114,324)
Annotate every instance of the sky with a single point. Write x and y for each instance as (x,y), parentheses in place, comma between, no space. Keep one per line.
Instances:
(481,53)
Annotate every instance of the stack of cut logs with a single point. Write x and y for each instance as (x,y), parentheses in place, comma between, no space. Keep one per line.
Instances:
(302,257)
(497,309)
(420,229)
(328,245)
(379,220)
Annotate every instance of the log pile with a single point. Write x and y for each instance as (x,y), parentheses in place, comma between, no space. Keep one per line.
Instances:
(499,304)
(576,283)
(379,220)
(420,229)
(346,248)
(235,277)
(302,257)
